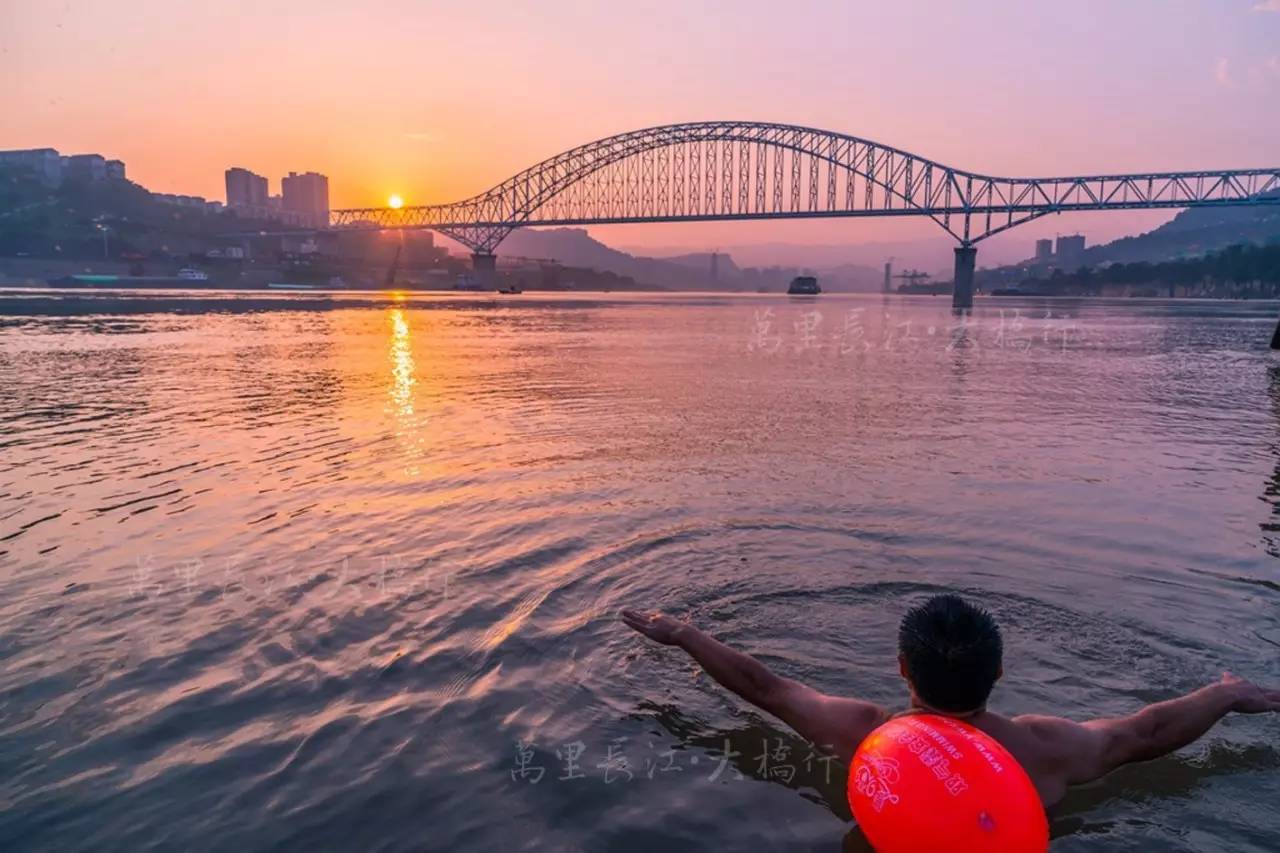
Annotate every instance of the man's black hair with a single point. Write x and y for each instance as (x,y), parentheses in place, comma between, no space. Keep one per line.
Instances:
(952,651)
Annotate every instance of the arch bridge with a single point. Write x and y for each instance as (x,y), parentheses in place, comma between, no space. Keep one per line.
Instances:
(738,170)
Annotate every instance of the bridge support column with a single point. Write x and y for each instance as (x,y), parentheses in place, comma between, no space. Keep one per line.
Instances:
(485,267)
(962,291)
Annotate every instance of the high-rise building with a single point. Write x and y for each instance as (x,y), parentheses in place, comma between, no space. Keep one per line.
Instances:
(85,167)
(306,196)
(44,162)
(1044,250)
(52,168)
(245,189)
(179,200)
(1070,246)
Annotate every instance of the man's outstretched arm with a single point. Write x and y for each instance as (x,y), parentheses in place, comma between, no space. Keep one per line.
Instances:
(828,722)
(1088,751)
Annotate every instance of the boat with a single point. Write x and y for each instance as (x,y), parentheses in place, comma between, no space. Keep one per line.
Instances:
(515,288)
(192,274)
(804,285)
(116,282)
(1012,290)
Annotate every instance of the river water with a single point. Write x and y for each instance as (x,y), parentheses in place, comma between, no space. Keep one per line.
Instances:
(304,573)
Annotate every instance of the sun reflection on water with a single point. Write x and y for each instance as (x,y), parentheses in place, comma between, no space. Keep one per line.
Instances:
(402,367)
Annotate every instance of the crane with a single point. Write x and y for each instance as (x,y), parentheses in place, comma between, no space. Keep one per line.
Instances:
(912,277)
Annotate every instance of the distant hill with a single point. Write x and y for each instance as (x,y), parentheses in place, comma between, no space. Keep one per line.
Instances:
(701,263)
(691,271)
(933,254)
(571,246)
(576,248)
(68,221)
(1192,233)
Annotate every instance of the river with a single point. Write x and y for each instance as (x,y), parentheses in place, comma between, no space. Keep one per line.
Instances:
(343,573)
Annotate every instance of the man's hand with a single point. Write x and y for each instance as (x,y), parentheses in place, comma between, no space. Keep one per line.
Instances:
(655,626)
(1250,698)
(829,722)
(1088,751)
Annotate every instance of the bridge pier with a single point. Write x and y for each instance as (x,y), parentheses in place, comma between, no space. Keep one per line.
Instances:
(962,290)
(485,267)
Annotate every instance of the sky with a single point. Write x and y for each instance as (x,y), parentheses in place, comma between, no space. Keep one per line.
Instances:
(437,101)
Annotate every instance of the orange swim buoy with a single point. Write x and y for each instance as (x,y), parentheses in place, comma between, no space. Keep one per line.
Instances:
(931,783)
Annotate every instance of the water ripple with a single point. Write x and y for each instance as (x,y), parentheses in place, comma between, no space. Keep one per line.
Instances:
(277,577)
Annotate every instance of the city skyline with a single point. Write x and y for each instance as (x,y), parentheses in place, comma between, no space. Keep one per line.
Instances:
(425,124)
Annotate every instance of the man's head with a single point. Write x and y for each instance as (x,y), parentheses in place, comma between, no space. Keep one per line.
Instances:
(950,653)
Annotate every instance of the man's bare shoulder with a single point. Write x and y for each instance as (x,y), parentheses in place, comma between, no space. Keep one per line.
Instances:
(831,722)
(1046,726)
(1054,736)
(1057,747)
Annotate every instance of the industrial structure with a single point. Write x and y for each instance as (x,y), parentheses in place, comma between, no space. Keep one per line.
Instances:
(728,170)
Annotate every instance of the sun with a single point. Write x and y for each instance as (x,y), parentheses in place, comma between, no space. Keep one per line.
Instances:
(395,202)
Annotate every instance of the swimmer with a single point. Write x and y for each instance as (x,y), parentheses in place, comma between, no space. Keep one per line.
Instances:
(950,654)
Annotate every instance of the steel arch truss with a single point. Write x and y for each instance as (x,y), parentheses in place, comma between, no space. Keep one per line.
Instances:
(730,170)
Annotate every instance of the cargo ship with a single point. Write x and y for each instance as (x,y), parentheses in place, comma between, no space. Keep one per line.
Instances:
(186,277)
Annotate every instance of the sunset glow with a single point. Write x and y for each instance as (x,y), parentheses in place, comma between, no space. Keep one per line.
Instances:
(408,404)
(1065,105)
